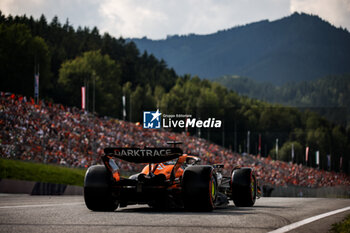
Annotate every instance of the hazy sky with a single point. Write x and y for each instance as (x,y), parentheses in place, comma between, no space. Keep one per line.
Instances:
(158,18)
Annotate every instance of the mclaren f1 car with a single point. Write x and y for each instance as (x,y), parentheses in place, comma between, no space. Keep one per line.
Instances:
(170,179)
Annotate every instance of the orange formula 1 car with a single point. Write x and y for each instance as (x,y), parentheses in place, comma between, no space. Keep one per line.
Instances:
(170,180)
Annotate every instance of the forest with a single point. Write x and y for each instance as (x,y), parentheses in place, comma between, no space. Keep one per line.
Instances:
(110,68)
(329,96)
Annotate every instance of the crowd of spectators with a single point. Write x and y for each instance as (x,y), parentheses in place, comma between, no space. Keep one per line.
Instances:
(55,134)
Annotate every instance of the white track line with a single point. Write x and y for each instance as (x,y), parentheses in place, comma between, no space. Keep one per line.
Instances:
(43,205)
(308,220)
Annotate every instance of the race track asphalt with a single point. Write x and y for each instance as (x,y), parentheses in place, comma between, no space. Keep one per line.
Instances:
(24,213)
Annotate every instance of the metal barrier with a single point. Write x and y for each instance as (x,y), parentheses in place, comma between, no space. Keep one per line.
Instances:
(298,191)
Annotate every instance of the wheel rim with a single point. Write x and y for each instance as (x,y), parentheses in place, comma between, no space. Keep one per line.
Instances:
(213,189)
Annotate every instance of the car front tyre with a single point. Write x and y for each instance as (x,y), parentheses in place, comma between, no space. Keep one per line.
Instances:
(243,187)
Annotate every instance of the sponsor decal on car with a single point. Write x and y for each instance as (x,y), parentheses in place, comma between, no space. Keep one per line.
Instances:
(142,152)
(144,155)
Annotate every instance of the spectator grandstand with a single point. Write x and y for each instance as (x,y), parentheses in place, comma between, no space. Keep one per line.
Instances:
(55,134)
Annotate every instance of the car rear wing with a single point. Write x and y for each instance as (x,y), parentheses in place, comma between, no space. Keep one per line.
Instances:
(145,155)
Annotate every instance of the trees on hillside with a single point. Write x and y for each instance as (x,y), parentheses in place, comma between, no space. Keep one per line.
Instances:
(20,54)
(102,78)
(64,43)
(329,96)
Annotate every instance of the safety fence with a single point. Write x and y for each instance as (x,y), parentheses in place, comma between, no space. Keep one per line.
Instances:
(298,191)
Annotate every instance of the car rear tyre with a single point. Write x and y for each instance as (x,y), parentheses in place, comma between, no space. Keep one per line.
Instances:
(199,188)
(243,187)
(97,191)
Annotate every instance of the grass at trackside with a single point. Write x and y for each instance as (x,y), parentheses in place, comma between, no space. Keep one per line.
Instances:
(19,170)
(342,227)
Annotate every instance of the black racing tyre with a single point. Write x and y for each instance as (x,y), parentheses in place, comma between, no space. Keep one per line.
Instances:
(199,188)
(97,191)
(243,187)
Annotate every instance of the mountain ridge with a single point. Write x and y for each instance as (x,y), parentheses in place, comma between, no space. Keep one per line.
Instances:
(298,47)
